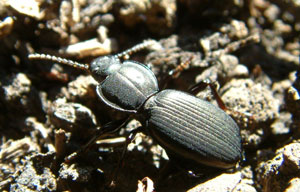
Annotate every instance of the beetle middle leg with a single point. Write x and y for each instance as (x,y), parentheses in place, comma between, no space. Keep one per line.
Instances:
(175,73)
(105,130)
(128,140)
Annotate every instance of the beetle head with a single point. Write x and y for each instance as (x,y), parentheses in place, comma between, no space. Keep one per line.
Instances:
(101,67)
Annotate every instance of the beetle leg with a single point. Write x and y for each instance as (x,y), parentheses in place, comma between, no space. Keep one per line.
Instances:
(175,73)
(202,85)
(129,139)
(183,66)
(105,130)
(238,116)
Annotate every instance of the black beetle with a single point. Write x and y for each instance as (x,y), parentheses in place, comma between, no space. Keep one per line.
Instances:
(186,126)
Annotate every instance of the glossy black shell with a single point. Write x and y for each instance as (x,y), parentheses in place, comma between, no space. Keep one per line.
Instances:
(128,87)
(193,129)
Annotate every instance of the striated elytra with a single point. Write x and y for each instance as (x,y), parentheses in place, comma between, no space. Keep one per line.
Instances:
(193,128)
(183,124)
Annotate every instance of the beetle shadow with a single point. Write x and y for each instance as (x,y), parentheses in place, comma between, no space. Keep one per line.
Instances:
(176,175)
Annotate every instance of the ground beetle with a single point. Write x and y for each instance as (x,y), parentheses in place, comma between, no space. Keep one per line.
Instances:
(184,125)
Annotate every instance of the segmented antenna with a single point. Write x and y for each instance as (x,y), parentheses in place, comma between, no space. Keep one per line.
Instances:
(59,60)
(136,48)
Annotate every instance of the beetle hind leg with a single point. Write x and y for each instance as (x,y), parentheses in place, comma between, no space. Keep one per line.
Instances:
(238,116)
(202,85)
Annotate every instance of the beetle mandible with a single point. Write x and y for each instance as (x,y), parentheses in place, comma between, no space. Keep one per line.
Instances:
(184,125)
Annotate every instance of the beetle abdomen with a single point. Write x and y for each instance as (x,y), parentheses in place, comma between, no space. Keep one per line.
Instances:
(193,128)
